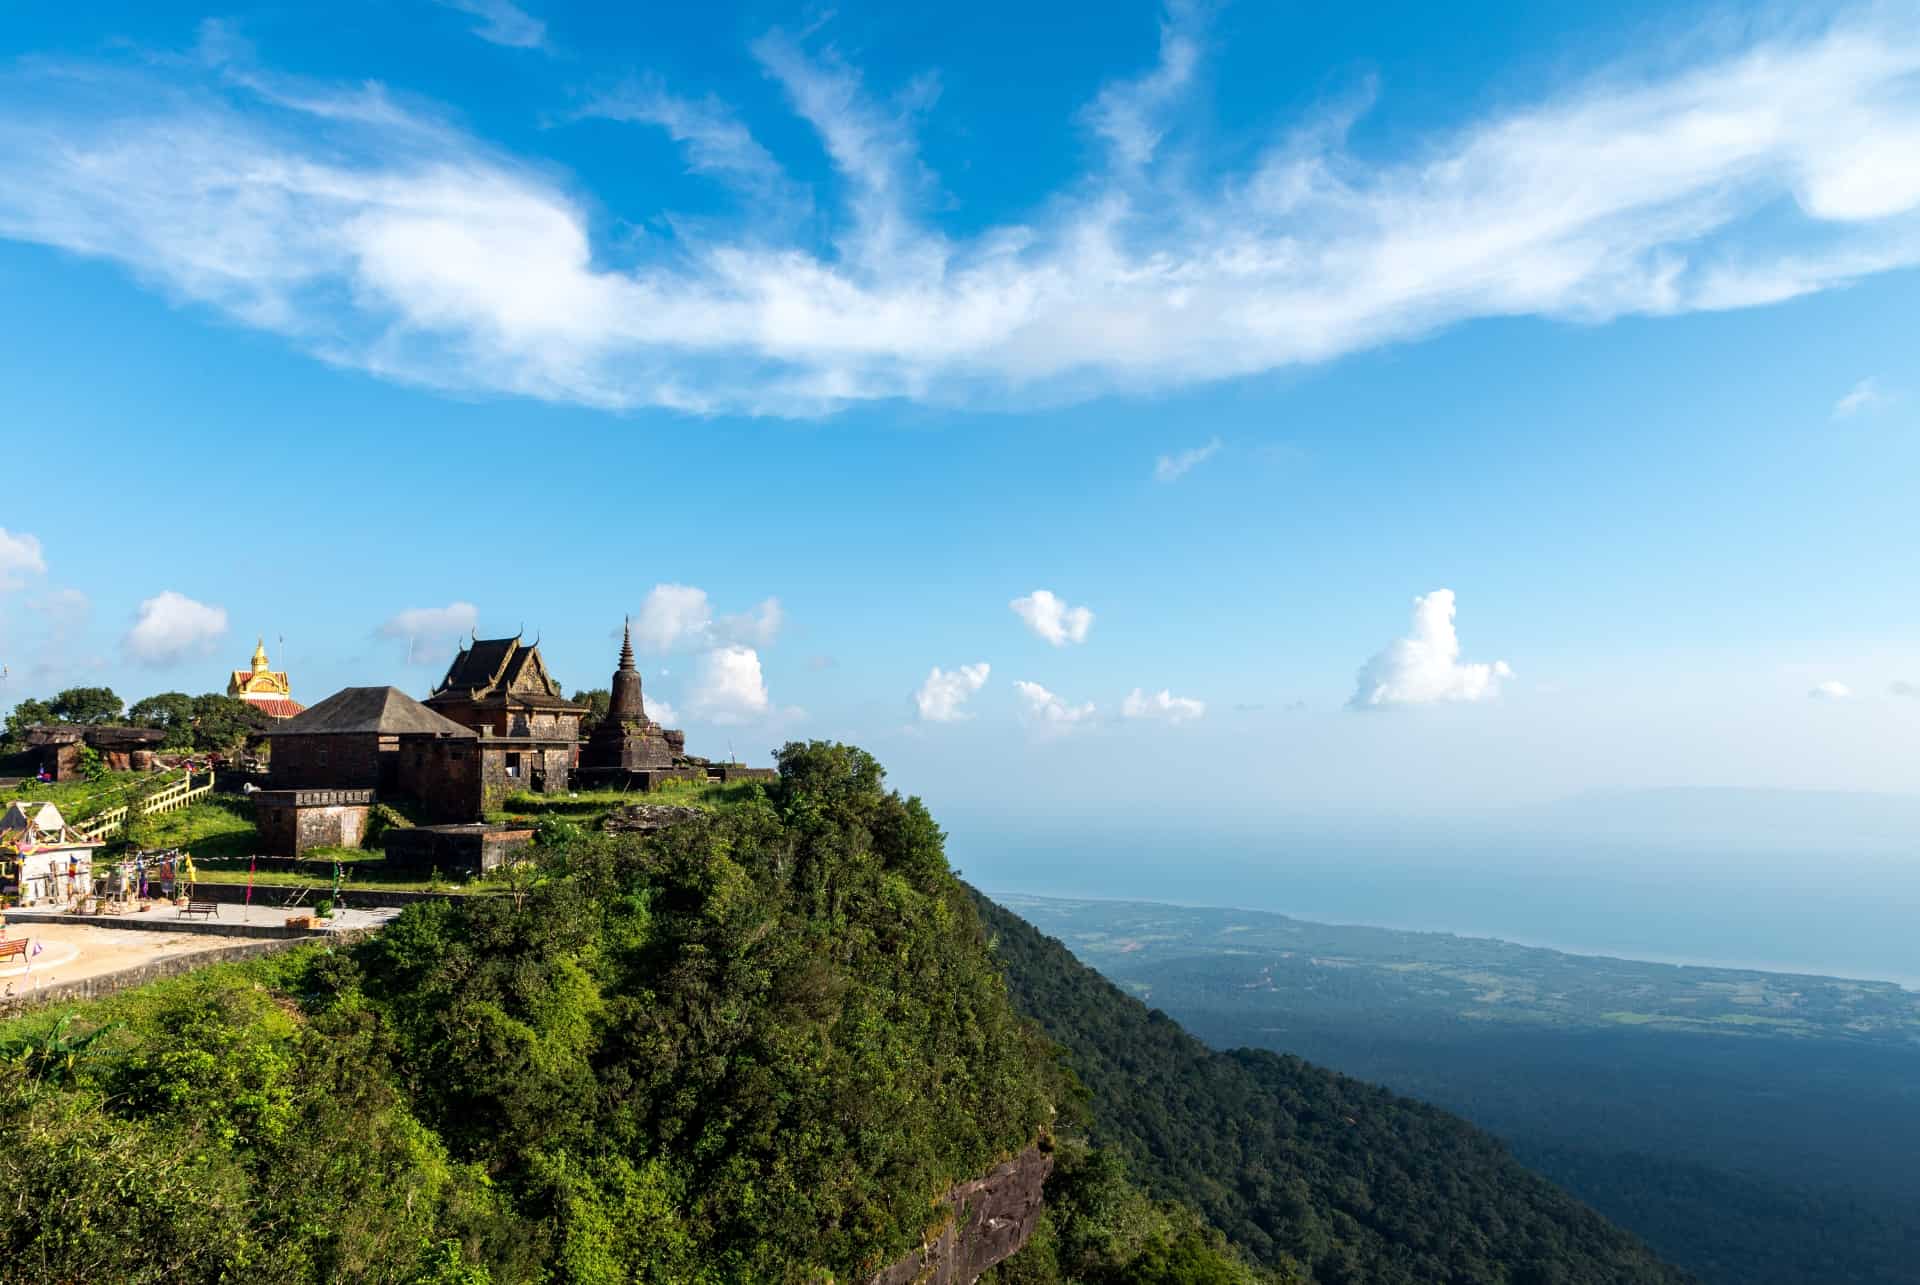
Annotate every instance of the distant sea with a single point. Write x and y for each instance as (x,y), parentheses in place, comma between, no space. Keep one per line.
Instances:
(1825,913)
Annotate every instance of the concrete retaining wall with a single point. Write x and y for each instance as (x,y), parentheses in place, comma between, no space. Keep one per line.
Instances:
(86,988)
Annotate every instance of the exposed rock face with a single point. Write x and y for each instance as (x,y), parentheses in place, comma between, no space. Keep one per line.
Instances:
(993,1216)
(645,818)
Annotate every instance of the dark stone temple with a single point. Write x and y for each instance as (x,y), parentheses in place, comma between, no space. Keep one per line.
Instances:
(529,733)
(628,750)
(332,762)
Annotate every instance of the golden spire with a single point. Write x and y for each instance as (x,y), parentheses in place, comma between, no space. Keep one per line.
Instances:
(260,662)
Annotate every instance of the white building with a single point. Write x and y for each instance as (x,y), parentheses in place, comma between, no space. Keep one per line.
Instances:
(45,860)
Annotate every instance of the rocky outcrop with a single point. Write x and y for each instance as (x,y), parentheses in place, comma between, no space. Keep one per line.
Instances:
(645,818)
(992,1218)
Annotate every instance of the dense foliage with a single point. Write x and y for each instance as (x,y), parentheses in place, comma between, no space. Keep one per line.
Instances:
(1098,1228)
(1297,1163)
(758,1047)
(212,721)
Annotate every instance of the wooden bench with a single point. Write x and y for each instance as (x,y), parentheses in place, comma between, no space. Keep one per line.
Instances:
(201,908)
(15,946)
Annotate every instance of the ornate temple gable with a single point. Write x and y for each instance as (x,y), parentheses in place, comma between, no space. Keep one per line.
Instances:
(527,674)
(260,680)
(495,671)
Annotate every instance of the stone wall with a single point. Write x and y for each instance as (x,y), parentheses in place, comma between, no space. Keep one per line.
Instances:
(292,821)
(992,1218)
(335,761)
(451,849)
(85,988)
(445,777)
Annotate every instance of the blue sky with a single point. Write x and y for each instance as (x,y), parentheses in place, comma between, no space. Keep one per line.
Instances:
(818,340)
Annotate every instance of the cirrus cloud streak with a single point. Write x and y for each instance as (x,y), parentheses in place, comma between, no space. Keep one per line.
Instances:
(374,234)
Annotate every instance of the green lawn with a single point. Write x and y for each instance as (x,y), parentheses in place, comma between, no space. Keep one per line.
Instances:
(211,831)
(353,878)
(586,807)
(80,800)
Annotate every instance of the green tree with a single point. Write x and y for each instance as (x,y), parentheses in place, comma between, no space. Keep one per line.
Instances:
(23,715)
(172,712)
(596,700)
(92,706)
(224,722)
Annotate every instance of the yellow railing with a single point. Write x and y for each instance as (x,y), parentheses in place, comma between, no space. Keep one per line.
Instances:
(176,796)
(114,820)
(104,826)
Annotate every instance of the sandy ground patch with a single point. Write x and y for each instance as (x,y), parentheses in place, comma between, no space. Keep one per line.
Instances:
(69,952)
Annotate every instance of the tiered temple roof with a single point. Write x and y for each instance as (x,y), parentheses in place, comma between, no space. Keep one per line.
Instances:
(501,672)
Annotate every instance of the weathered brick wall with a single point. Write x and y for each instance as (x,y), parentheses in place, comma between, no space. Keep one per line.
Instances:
(325,762)
(289,830)
(444,776)
(454,851)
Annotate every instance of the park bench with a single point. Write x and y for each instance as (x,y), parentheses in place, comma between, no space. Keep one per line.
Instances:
(15,946)
(201,908)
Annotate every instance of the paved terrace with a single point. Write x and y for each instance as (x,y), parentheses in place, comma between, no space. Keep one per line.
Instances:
(78,947)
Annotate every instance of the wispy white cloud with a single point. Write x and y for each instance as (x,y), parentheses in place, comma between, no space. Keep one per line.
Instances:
(1049,713)
(503,23)
(431,633)
(1171,468)
(1425,667)
(20,557)
(1830,689)
(1131,115)
(1901,687)
(171,627)
(374,234)
(715,141)
(1049,616)
(1163,705)
(941,697)
(1864,396)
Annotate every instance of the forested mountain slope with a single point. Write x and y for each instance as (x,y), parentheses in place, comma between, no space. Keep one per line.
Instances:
(1294,1162)
(757,1047)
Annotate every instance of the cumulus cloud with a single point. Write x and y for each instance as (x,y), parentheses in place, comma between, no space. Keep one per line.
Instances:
(1830,690)
(728,686)
(681,616)
(503,23)
(375,233)
(1425,666)
(1863,396)
(1171,468)
(661,712)
(171,627)
(671,615)
(756,628)
(941,696)
(1050,713)
(20,557)
(1052,619)
(430,632)
(1163,704)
